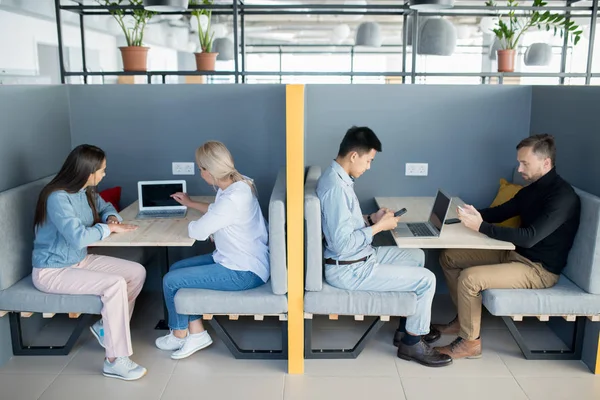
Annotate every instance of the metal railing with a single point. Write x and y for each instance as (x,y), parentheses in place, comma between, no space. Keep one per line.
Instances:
(238,10)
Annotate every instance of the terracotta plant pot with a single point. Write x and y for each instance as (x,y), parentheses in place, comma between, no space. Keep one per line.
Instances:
(134,58)
(506,60)
(205,61)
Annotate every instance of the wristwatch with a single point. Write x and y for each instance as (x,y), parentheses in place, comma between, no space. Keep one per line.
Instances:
(370,220)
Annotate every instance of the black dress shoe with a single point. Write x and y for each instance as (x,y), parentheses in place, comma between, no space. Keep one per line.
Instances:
(431,337)
(423,354)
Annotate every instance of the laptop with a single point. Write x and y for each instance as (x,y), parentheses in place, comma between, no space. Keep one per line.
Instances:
(431,228)
(155,201)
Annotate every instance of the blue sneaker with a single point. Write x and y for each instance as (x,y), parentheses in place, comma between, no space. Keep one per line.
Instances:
(98,331)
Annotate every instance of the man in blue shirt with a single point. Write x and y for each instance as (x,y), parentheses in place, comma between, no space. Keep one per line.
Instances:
(352,263)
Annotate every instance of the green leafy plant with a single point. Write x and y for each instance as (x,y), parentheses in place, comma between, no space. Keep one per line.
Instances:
(509,33)
(206,36)
(134,35)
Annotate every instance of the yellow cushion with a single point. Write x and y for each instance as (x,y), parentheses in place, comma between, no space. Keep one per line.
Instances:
(506,192)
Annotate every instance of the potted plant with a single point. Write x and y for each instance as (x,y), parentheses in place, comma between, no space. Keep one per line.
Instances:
(135,55)
(205,60)
(509,33)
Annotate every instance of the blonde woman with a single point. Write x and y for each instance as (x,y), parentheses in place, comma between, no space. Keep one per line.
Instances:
(241,258)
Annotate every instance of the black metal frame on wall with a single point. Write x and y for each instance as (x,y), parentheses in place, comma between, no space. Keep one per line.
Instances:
(239,10)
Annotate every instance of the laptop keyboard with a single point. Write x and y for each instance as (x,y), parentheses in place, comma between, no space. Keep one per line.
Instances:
(419,229)
(163,212)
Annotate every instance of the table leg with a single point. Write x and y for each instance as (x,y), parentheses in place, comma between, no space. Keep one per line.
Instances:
(164,268)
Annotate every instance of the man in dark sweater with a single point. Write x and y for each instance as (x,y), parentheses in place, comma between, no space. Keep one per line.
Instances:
(549,209)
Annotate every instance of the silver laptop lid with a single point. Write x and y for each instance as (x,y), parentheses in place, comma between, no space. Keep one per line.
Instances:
(439,211)
(156,195)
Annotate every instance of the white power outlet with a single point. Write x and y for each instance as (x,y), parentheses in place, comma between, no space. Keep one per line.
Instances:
(183,168)
(417,169)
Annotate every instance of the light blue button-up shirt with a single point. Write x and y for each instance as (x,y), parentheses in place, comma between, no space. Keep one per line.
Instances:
(348,236)
(62,240)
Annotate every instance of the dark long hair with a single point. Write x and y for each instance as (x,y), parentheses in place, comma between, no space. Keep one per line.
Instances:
(83,161)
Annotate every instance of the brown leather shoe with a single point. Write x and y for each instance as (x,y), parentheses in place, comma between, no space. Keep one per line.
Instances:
(451,328)
(462,348)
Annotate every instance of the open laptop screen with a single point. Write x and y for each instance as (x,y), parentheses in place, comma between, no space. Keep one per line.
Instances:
(440,208)
(159,195)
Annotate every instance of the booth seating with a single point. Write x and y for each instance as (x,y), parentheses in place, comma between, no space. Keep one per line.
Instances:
(321,298)
(269,299)
(18,297)
(575,297)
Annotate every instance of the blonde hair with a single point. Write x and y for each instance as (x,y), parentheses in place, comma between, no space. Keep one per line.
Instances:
(215,158)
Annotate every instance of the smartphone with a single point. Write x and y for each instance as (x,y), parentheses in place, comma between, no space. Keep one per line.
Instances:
(400,212)
(451,221)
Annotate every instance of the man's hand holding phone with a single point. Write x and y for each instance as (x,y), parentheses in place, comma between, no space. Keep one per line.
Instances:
(386,223)
(375,217)
(470,217)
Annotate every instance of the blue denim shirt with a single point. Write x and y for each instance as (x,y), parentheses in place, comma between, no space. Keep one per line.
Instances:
(62,240)
(347,235)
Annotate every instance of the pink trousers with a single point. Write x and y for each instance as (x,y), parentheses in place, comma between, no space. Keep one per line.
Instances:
(118,283)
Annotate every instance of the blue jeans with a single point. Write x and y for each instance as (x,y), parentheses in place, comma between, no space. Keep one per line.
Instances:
(202,273)
(391,269)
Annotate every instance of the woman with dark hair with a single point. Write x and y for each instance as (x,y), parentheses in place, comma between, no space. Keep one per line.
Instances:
(69,217)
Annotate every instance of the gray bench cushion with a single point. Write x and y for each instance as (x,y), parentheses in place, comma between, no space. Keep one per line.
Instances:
(260,300)
(277,242)
(562,299)
(583,265)
(313,236)
(17,208)
(23,296)
(331,300)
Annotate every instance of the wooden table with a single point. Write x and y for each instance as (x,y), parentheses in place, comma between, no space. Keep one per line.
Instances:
(455,236)
(159,232)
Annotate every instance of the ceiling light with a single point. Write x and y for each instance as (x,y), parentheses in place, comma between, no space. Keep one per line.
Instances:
(538,54)
(425,5)
(368,34)
(165,5)
(437,37)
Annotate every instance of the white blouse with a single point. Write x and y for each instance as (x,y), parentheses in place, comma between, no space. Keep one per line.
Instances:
(238,228)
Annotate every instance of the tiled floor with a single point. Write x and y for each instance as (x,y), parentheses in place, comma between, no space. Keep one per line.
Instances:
(502,373)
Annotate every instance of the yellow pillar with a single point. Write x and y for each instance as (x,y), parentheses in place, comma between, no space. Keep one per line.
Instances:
(294,105)
(597,369)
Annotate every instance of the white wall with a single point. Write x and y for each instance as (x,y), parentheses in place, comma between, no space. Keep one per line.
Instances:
(20,35)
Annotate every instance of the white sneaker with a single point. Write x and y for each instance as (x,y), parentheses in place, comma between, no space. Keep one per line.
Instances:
(192,344)
(169,342)
(123,368)
(98,331)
